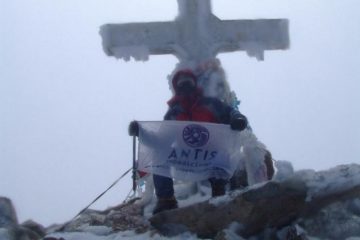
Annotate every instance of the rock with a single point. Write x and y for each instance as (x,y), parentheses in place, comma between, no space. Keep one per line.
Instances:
(250,208)
(129,217)
(5,234)
(34,227)
(17,233)
(324,204)
(354,206)
(88,218)
(8,216)
(22,233)
(11,230)
(292,232)
(305,195)
(332,222)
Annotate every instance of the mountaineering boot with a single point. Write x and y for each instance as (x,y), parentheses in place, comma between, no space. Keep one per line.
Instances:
(164,204)
(238,180)
(217,187)
(218,190)
(269,165)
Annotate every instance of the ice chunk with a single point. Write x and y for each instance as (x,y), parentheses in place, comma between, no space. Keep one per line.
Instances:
(284,170)
(254,49)
(139,53)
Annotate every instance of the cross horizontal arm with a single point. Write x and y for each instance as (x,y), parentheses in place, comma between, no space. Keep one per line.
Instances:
(251,35)
(129,39)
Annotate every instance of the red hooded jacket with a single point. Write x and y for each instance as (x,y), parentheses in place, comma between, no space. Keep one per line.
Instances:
(196,107)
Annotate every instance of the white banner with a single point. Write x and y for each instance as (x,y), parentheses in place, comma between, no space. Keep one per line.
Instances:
(188,150)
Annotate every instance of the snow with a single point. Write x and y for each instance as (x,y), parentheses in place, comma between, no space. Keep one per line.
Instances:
(254,49)
(336,179)
(284,170)
(97,230)
(186,193)
(319,184)
(139,53)
(218,201)
(322,183)
(230,232)
(119,236)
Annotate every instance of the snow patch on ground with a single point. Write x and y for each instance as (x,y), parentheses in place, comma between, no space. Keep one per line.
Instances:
(319,184)
(327,182)
(284,170)
(97,230)
(218,201)
(119,236)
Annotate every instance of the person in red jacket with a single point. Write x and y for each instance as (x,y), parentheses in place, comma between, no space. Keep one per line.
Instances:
(189,104)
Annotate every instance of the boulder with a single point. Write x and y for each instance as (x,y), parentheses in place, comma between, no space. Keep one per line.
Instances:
(5,234)
(10,228)
(126,216)
(335,221)
(274,205)
(34,227)
(8,216)
(270,205)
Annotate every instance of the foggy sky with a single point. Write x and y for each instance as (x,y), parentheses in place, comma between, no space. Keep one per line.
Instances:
(65,106)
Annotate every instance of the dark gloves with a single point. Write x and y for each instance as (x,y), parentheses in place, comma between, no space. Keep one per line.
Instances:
(239,122)
(134,128)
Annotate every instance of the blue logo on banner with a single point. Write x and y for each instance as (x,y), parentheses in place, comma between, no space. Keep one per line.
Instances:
(195,135)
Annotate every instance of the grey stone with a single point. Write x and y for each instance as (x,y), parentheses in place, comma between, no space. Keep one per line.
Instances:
(354,206)
(8,216)
(34,227)
(332,222)
(250,208)
(5,234)
(18,233)
(275,205)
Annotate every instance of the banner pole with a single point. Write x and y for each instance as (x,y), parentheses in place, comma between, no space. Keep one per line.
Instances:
(134,164)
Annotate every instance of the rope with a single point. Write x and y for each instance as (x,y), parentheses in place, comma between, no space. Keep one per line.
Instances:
(129,196)
(97,198)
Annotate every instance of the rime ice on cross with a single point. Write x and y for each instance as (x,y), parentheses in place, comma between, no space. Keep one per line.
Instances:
(195,35)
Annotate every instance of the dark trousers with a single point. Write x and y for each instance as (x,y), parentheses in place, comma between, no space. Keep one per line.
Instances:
(164,186)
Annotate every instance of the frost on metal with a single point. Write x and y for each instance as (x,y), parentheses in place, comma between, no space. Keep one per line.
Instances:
(195,34)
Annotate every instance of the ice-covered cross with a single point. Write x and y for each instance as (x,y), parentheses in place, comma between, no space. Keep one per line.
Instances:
(195,35)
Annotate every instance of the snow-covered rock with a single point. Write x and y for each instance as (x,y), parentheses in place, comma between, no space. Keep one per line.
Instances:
(34,227)
(271,204)
(306,205)
(275,204)
(284,170)
(10,228)
(8,216)
(336,221)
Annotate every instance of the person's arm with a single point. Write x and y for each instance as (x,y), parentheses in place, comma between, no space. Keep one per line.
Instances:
(172,112)
(229,115)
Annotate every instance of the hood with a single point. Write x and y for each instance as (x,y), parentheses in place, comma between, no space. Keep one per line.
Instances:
(186,72)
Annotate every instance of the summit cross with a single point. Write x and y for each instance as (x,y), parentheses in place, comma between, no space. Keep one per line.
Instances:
(195,35)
